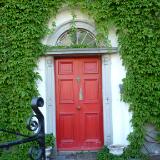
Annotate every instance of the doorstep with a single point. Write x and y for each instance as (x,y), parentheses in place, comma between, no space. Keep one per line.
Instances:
(84,155)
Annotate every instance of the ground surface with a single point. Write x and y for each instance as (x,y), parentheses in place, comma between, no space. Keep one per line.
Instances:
(75,156)
(82,156)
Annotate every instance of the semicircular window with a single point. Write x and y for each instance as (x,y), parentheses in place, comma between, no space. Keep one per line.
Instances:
(77,38)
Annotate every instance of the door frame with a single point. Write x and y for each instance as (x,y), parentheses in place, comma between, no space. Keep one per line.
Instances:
(106,96)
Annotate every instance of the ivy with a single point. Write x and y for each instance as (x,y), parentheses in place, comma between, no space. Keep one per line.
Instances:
(24,24)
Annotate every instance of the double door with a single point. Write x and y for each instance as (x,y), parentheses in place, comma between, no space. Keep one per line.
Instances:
(79,103)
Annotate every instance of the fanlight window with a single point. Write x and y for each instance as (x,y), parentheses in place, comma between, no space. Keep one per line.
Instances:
(79,37)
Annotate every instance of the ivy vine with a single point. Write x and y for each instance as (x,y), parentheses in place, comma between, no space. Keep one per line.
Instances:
(24,24)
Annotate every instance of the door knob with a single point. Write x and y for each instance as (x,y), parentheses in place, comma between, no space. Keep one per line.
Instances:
(78,107)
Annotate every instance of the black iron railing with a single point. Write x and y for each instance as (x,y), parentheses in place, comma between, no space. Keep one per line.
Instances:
(36,124)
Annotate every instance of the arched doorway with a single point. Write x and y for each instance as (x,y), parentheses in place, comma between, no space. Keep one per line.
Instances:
(56,59)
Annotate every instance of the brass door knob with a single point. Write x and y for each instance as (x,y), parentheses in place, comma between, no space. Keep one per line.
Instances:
(78,107)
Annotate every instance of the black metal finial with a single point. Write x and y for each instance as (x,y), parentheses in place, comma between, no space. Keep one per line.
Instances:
(36,124)
(37,102)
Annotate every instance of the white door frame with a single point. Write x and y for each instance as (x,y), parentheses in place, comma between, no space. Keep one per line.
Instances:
(106,95)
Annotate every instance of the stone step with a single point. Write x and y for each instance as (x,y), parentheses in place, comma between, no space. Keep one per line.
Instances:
(74,156)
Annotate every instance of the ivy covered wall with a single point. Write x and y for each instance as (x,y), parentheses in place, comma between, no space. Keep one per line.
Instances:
(24,24)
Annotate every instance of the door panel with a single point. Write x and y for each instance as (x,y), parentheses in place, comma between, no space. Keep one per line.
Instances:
(90,66)
(79,103)
(91,91)
(66,93)
(65,67)
(91,112)
(67,122)
(66,99)
(91,131)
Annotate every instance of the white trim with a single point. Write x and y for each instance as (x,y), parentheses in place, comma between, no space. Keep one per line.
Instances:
(85,51)
(106,96)
(107,99)
(50,96)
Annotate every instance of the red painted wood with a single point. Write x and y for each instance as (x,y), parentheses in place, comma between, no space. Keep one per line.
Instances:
(79,103)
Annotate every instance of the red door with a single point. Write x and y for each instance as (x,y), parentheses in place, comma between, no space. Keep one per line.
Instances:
(79,103)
